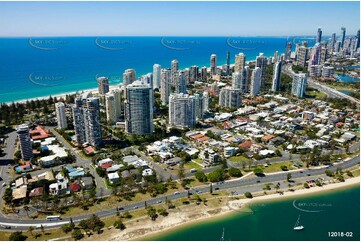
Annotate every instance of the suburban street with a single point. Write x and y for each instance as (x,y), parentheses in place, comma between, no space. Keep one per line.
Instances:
(232,184)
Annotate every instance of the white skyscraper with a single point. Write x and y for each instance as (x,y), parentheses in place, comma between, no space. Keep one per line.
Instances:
(205,102)
(182,110)
(118,103)
(193,74)
(103,85)
(199,105)
(240,62)
(93,130)
(299,85)
(230,97)
(25,142)
(245,77)
(236,80)
(180,83)
(165,87)
(60,115)
(86,117)
(261,62)
(276,81)
(315,57)
(110,108)
(256,82)
(129,77)
(213,64)
(156,76)
(139,109)
(174,71)
(204,74)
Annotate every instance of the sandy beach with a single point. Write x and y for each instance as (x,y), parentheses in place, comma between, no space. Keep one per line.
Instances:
(144,229)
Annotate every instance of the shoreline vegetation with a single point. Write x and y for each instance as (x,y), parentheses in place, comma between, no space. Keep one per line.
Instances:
(145,229)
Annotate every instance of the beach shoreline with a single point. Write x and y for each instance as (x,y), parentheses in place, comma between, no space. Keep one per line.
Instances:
(145,229)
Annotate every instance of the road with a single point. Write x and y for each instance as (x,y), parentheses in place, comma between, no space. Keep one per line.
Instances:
(7,159)
(333,93)
(232,184)
(80,161)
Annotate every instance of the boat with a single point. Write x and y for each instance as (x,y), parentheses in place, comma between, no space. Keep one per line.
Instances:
(222,238)
(297,225)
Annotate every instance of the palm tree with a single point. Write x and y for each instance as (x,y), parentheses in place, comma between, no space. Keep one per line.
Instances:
(277,186)
(27,209)
(31,229)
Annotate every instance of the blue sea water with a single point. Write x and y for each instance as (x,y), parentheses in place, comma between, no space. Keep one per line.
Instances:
(38,67)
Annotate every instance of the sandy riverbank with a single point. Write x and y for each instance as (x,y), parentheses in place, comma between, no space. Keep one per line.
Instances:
(145,229)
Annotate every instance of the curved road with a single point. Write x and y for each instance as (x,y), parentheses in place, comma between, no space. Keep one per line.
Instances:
(24,224)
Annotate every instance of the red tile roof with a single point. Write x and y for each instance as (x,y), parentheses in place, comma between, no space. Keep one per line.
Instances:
(39,132)
(74,187)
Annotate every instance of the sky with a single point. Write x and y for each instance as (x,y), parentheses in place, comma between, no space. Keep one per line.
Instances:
(24,19)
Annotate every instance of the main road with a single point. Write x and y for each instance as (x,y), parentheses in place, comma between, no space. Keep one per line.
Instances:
(276,177)
(333,93)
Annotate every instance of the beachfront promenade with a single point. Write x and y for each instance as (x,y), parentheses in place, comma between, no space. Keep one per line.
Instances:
(18,224)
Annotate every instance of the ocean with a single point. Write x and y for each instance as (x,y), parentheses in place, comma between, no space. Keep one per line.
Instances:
(321,214)
(38,67)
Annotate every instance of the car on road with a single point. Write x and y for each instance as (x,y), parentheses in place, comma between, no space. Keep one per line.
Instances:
(3,185)
(135,207)
(176,193)
(159,201)
(308,174)
(258,181)
(217,188)
(121,208)
(5,226)
(170,167)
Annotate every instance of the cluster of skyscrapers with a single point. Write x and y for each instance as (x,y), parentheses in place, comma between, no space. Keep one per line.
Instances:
(186,109)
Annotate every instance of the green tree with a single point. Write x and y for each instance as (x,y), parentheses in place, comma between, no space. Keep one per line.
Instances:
(181,172)
(17,236)
(258,171)
(201,176)
(66,228)
(77,234)
(329,173)
(289,176)
(248,195)
(284,168)
(93,223)
(31,229)
(216,175)
(163,212)
(305,185)
(152,213)
(118,224)
(234,172)
(8,197)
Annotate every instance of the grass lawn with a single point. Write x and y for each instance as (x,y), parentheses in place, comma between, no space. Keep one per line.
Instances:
(239,159)
(191,165)
(316,94)
(48,235)
(275,167)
